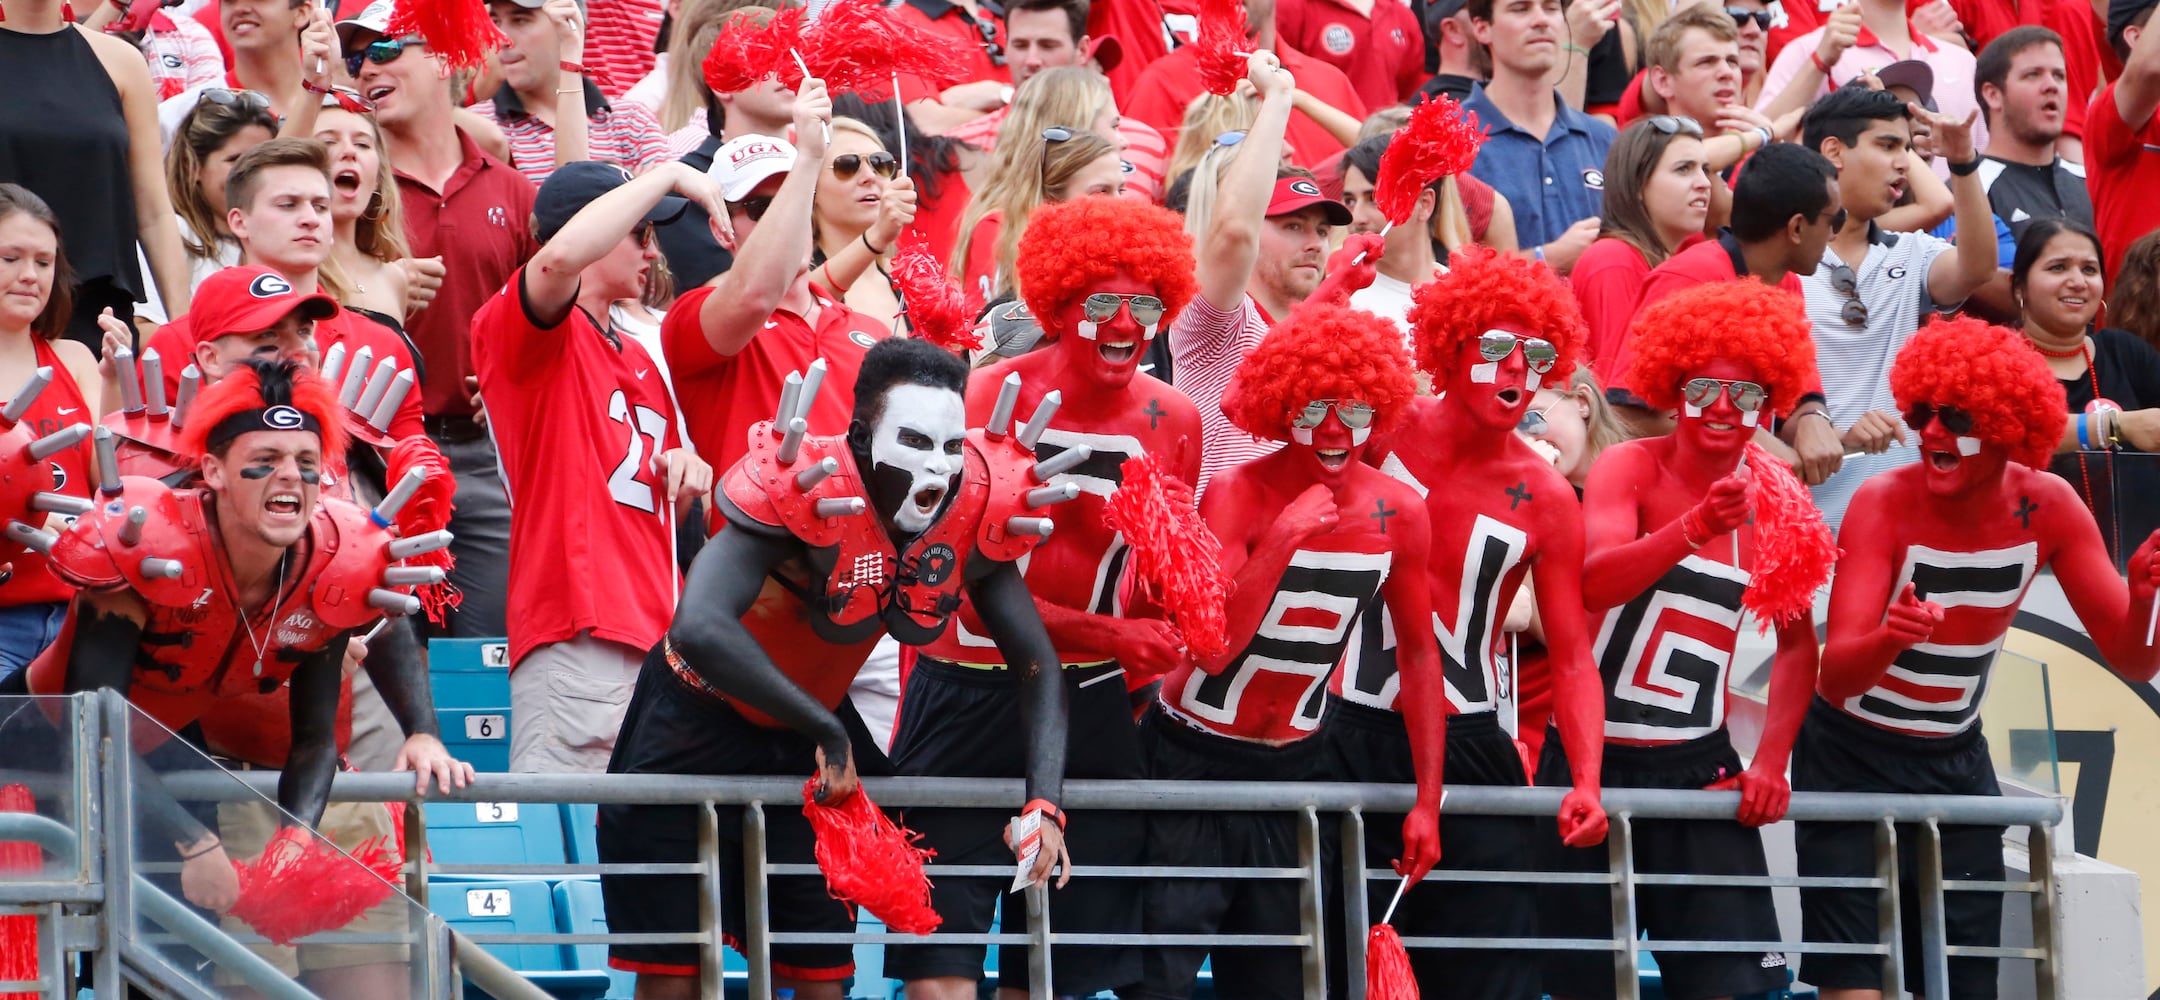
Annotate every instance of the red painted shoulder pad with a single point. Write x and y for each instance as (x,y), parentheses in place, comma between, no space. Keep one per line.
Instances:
(155,450)
(766,489)
(102,552)
(1007,464)
(349,561)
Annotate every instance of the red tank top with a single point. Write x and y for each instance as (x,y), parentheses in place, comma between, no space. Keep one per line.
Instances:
(59,405)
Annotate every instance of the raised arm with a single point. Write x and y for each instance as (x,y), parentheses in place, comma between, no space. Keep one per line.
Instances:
(1623,561)
(1231,245)
(1955,276)
(2137,91)
(766,264)
(573,141)
(551,279)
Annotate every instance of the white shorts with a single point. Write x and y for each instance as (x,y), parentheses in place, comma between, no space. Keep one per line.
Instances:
(567,701)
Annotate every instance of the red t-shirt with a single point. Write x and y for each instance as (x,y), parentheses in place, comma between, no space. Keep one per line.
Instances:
(1138,27)
(2122,170)
(722,396)
(978,279)
(952,21)
(60,405)
(1382,54)
(1160,97)
(577,422)
(1701,264)
(1607,282)
(479,224)
(938,219)
(175,341)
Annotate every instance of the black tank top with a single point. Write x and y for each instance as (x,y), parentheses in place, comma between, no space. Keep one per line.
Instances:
(63,136)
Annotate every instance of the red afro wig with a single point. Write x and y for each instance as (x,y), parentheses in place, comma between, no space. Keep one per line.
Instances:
(1322,350)
(254,385)
(1991,373)
(1484,290)
(1742,320)
(1073,246)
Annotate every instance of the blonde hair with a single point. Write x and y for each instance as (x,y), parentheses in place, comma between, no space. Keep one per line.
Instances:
(696,26)
(1015,197)
(1206,117)
(851,126)
(1067,95)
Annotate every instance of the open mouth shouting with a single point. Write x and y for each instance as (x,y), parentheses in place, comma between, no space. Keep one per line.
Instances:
(926,500)
(1942,460)
(379,91)
(1509,396)
(1332,458)
(347,181)
(1119,352)
(283,503)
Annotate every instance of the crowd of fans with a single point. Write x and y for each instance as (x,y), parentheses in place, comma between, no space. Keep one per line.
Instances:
(1885,162)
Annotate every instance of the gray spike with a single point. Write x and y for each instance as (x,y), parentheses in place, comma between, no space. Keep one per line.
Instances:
(790,392)
(349,392)
(108,460)
(807,479)
(1001,415)
(813,377)
(34,539)
(385,411)
(390,602)
(162,569)
(840,506)
(377,384)
(1044,496)
(131,529)
(1064,461)
(387,511)
(58,441)
(60,503)
(190,383)
(1038,526)
(406,548)
(333,362)
(413,576)
(26,395)
(153,381)
(130,381)
(1041,420)
(791,442)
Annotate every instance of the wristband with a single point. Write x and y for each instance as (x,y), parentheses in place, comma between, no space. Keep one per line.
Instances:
(1693,528)
(2114,431)
(1044,807)
(1767,138)
(1825,414)
(1538,252)
(2084,439)
(214,845)
(867,245)
(1572,47)
(1816,58)
(311,87)
(1966,168)
(570,67)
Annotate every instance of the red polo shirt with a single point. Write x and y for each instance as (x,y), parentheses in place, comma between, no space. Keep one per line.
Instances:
(2122,170)
(480,225)
(1138,27)
(952,21)
(1382,53)
(1160,97)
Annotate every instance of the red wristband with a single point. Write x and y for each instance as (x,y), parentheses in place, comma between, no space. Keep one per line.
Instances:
(1045,808)
(1694,528)
(570,67)
(1816,58)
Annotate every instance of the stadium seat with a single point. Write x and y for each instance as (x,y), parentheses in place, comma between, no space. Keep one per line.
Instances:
(578,910)
(471,833)
(471,681)
(581,829)
(516,906)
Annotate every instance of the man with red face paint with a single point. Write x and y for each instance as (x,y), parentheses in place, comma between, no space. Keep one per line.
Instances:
(1489,332)
(1310,536)
(1948,545)
(1673,544)
(1104,275)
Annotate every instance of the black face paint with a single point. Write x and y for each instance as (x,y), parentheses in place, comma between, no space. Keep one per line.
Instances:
(310,476)
(257,472)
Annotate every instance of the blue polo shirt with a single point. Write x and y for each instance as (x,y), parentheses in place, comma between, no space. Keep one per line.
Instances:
(1551,183)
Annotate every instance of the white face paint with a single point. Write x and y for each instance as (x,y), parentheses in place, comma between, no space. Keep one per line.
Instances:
(1749,418)
(1485,373)
(1359,435)
(916,450)
(1148,332)
(1301,435)
(1086,329)
(1531,382)
(1691,410)
(1968,446)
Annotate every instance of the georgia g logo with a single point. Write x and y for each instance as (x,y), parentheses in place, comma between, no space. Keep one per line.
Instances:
(269,286)
(283,418)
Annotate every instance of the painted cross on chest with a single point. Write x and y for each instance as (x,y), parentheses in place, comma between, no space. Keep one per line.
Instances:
(1155,413)
(1381,512)
(1518,495)
(2026,509)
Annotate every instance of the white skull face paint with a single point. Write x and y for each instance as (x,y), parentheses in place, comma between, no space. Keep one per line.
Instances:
(1968,446)
(1485,373)
(916,449)
(1086,329)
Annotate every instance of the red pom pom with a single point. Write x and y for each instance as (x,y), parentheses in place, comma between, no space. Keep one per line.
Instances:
(857,46)
(457,30)
(936,311)
(1387,966)
(303,885)
(1794,550)
(1222,36)
(1440,140)
(755,44)
(18,933)
(428,510)
(1174,556)
(871,861)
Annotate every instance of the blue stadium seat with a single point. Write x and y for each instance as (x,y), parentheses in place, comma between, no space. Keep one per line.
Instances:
(515,906)
(581,827)
(578,910)
(470,833)
(471,681)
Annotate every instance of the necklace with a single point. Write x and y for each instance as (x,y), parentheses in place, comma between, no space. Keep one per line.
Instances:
(2049,352)
(262,649)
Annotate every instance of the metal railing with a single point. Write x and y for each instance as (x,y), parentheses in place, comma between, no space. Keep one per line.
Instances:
(1314,804)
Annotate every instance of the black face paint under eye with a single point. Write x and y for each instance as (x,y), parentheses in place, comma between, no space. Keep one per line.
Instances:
(310,476)
(257,472)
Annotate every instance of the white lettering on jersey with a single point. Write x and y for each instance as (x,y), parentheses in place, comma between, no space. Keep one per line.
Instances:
(1466,660)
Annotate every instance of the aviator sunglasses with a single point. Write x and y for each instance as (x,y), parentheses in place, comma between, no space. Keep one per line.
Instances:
(847,165)
(1354,414)
(1701,393)
(1496,345)
(1147,310)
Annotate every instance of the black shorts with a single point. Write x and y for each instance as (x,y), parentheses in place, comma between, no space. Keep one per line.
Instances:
(671,729)
(960,721)
(1838,753)
(1665,912)
(1177,752)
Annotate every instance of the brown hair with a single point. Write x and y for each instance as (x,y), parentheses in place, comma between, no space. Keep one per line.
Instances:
(2134,304)
(246,181)
(380,231)
(1629,166)
(1663,48)
(1075,11)
(696,25)
(205,130)
(60,303)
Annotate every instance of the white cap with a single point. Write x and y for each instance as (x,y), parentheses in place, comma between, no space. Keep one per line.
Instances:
(375,18)
(746,161)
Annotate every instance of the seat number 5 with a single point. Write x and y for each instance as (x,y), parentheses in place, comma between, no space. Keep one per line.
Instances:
(624,483)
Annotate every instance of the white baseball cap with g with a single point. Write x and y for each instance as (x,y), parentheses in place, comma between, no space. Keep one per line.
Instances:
(746,161)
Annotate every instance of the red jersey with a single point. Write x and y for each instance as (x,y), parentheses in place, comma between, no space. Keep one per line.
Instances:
(722,396)
(1607,282)
(175,344)
(1138,27)
(1160,97)
(2122,169)
(982,37)
(1382,52)
(60,405)
(579,417)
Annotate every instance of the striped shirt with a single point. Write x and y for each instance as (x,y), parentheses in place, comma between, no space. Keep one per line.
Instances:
(1855,361)
(182,56)
(1206,347)
(619,42)
(626,135)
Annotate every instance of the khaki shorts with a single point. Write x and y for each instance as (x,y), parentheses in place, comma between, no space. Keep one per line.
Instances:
(567,701)
(246,828)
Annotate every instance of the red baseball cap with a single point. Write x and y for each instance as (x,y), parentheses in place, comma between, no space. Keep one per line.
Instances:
(1294,193)
(247,299)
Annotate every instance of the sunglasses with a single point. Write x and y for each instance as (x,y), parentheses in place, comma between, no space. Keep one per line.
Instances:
(348,99)
(846,165)
(1675,125)
(1355,415)
(1741,16)
(226,97)
(1496,345)
(644,233)
(1533,422)
(1230,138)
(381,52)
(1147,310)
(1954,419)
(1702,392)
(987,33)
(1844,282)
(752,208)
